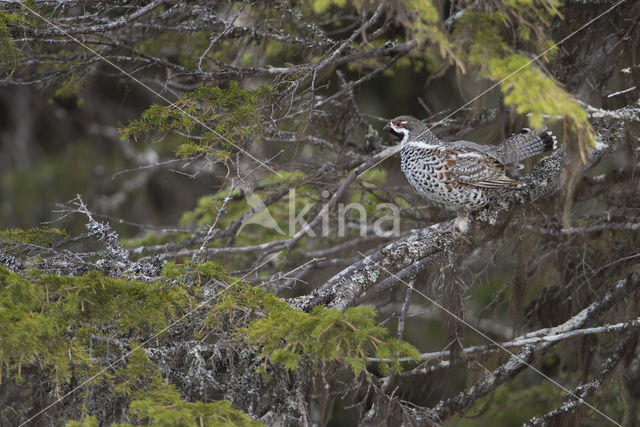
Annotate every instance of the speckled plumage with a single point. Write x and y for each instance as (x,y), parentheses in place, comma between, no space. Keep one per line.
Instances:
(461,175)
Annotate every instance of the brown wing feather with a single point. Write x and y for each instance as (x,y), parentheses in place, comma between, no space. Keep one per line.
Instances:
(474,168)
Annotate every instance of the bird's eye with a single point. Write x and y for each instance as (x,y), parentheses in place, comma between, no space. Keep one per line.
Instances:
(398,122)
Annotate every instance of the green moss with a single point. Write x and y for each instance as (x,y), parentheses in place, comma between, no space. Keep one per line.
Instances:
(171,270)
(158,403)
(326,334)
(37,315)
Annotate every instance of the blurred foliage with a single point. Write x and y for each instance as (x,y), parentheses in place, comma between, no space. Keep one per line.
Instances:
(513,404)
(207,207)
(9,52)
(528,89)
(320,6)
(54,178)
(421,20)
(69,91)
(38,235)
(540,98)
(227,117)
(173,43)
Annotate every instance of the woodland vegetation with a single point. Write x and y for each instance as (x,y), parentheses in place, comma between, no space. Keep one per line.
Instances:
(202,222)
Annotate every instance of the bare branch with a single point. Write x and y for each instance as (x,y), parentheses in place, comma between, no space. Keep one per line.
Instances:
(519,361)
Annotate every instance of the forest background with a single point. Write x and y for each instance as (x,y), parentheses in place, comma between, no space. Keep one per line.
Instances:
(198,214)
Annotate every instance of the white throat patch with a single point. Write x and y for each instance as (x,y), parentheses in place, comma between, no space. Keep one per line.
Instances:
(404,132)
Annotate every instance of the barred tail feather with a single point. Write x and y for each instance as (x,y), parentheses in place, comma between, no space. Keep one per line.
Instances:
(549,140)
(525,144)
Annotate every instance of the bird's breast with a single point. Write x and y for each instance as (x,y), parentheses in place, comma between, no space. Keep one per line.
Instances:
(430,173)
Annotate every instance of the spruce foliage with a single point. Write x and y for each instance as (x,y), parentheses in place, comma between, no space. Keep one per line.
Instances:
(285,335)
(216,120)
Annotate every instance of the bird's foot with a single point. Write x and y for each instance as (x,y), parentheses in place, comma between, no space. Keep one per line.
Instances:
(462,222)
(451,229)
(459,227)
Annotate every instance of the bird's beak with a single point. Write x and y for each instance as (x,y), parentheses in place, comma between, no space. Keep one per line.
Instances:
(387,128)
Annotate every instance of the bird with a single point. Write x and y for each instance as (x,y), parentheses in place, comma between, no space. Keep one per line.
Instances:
(462,175)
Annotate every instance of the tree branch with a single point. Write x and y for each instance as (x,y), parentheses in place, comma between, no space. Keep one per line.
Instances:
(518,362)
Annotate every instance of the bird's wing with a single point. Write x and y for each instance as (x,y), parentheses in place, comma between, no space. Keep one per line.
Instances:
(478,169)
(489,150)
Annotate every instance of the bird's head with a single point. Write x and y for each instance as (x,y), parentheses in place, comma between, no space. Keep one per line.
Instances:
(401,126)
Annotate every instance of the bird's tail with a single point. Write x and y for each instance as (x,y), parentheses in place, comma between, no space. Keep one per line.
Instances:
(525,144)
